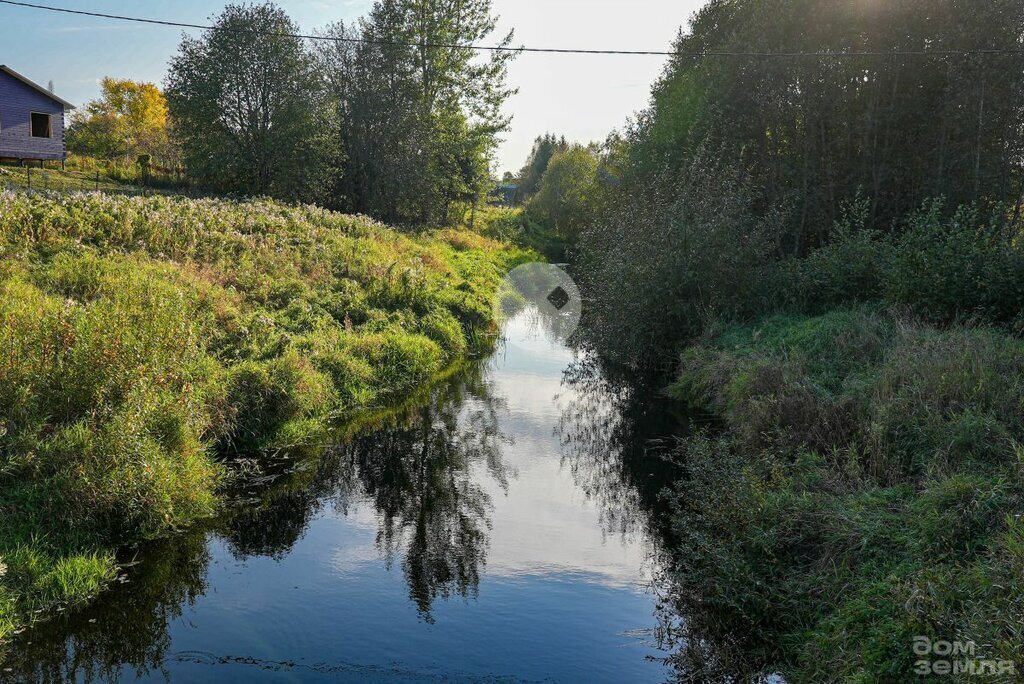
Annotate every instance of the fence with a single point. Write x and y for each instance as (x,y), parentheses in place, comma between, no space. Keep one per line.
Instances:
(41,179)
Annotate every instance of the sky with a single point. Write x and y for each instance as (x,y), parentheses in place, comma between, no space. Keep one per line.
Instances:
(582,97)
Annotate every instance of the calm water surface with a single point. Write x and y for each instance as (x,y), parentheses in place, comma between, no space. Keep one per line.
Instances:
(499,531)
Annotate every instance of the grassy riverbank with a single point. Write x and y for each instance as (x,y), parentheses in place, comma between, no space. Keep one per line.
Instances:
(865,490)
(514,226)
(145,341)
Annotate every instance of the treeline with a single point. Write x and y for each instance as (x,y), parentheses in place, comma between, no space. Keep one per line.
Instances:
(391,118)
(742,162)
(556,194)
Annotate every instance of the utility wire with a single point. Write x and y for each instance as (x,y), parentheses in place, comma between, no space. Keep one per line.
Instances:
(506,48)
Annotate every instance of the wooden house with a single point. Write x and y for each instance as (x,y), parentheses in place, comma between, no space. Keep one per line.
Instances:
(31,120)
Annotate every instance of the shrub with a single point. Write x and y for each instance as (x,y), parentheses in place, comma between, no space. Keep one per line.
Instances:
(679,250)
(853,267)
(958,268)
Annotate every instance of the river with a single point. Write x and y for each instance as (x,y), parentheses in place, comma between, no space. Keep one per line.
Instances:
(500,529)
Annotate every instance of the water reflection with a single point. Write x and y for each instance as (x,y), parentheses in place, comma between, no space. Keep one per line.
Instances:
(416,467)
(614,440)
(433,512)
(515,473)
(124,635)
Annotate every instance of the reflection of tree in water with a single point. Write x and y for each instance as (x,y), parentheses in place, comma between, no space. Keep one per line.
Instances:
(417,467)
(618,443)
(613,436)
(418,470)
(123,636)
(616,440)
(420,476)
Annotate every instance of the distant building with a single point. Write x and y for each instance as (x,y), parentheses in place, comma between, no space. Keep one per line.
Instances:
(505,194)
(31,120)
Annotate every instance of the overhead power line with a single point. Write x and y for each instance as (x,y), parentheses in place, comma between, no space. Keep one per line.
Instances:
(567,51)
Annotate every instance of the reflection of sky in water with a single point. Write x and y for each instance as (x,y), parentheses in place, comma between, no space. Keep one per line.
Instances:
(559,598)
(543,524)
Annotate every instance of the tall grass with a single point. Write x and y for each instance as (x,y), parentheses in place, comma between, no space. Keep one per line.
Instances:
(866,489)
(141,338)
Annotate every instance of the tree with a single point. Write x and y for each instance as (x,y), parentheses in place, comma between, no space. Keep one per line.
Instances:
(417,115)
(129,119)
(889,105)
(247,107)
(544,148)
(811,131)
(567,197)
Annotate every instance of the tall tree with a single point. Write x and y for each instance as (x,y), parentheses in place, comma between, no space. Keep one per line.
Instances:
(246,103)
(889,101)
(418,111)
(544,148)
(567,196)
(896,122)
(129,118)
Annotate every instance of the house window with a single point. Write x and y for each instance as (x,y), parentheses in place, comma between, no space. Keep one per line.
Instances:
(41,127)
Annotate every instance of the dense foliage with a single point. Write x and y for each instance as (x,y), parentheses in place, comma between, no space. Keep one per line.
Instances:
(866,490)
(128,120)
(832,237)
(247,108)
(567,197)
(544,148)
(140,337)
(794,140)
(417,114)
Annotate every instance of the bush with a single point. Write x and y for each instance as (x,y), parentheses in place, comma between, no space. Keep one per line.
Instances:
(853,267)
(672,254)
(958,268)
(945,268)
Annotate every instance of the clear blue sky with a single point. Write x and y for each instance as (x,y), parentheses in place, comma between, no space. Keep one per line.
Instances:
(581,97)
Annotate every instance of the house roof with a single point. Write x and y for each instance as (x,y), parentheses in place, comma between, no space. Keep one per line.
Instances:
(35,86)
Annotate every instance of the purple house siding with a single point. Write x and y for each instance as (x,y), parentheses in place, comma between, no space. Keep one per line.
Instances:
(19,99)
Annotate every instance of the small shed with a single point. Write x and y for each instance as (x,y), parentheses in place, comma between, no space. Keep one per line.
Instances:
(31,120)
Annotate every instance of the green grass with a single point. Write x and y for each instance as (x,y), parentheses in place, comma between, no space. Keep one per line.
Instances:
(87,174)
(866,489)
(146,341)
(511,224)
(53,179)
